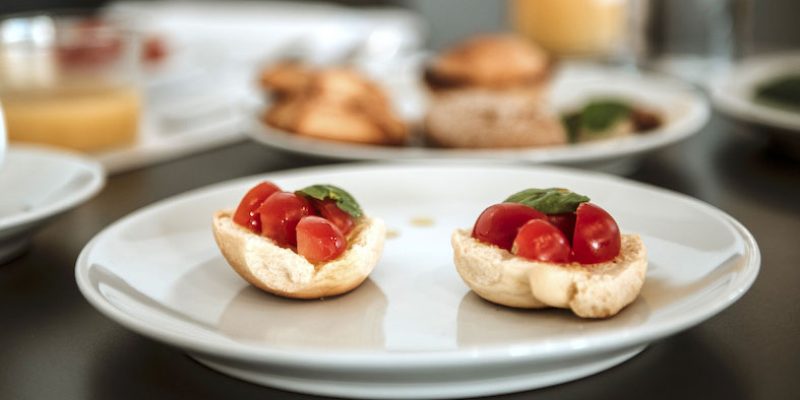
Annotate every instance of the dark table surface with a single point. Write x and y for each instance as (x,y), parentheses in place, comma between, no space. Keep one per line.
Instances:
(54,345)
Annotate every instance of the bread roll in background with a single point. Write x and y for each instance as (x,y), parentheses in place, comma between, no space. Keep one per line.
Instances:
(490,92)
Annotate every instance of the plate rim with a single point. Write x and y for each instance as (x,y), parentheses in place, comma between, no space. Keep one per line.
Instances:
(730,103)
(361,360)
(95,185)
(697,117)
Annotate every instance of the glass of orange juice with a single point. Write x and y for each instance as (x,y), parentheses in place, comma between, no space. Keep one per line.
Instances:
(69,80)
(574,28)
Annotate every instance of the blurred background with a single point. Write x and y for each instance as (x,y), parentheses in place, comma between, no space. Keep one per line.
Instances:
(137,82)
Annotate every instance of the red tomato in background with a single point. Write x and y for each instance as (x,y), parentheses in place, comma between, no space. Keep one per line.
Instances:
(330,211)
(280,214)
(247,212)
(597,238)
(540,240)
(499,223)
(319,240)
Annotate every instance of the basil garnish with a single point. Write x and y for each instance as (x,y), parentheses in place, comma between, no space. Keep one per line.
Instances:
(343,200)
(549,201)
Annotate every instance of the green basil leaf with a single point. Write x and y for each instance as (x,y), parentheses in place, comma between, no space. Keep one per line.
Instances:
(600,115)
(343,200)
(549,201)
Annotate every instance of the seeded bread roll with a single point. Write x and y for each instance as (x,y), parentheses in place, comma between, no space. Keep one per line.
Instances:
(283,272)
(478,118)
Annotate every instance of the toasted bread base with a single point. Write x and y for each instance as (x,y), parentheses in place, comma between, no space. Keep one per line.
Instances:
(493,273)
(596,290)
(283,272)
(590,291)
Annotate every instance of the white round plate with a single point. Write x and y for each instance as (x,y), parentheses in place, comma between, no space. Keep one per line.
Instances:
(685,112)
(37,184)
(413,330)
(733,93)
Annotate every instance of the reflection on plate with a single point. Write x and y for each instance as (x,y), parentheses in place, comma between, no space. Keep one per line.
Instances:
(37,184)
(684,109)
(734,93)
(413,329)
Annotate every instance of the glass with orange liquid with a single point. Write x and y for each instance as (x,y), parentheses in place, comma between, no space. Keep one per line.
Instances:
(69,80)
(574,28)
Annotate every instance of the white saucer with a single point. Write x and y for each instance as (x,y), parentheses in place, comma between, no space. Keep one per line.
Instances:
(413,330)
(37,184)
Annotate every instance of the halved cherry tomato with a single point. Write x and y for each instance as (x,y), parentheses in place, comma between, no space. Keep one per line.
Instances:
(330,211)
(246,214)
(319,240)
(596,237)
(565,222)
(499,223)
(540,240)
(280,214)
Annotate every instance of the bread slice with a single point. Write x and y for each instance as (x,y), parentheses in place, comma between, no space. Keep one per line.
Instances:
(590,291)
(283,272)
(479,118)
(497,61)
(493,273)
(596,290)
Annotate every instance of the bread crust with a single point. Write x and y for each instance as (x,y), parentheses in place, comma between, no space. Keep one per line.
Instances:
(590,291)
(493,273)
(283,272)
(596,290)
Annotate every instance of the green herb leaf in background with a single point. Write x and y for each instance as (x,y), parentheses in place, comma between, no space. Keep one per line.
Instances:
(572,124)
(782,92)
(549,201)
(600,115)
(343,200)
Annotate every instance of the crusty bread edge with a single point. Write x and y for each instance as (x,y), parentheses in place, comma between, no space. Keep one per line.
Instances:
(596,290)
(590,291)
(493,273)
(282,272)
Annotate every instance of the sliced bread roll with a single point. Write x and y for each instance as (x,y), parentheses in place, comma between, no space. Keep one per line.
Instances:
(596,290)
(590,291)
(283,272)
(493,273)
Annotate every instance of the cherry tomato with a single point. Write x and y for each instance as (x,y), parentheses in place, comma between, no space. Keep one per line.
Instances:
(565,222)
(246,214)
(330,211)
(499,223)
(319,240)
(540,240)
(280,214)
(597,237)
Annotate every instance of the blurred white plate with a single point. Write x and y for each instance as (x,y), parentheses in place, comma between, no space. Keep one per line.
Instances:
(413,329)
(684,109)
(733,93)
(37,184)
(195,95)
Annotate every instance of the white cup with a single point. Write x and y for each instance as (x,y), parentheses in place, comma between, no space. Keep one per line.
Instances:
(3,137)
